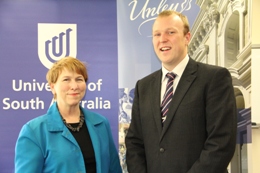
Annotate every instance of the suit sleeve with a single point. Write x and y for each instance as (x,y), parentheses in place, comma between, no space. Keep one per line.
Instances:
(135,152)
(221,125)
(28,155)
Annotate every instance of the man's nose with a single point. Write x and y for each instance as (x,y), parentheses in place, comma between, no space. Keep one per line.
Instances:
(163,38)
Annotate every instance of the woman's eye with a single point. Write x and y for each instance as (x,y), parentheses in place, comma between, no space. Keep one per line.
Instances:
(80,79)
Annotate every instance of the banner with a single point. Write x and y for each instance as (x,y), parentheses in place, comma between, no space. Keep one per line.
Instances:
(33,35)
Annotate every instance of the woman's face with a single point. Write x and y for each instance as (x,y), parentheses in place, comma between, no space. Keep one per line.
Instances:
(70,88)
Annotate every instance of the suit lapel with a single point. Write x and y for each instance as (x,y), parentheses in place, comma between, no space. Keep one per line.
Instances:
(155,94)
(185,82)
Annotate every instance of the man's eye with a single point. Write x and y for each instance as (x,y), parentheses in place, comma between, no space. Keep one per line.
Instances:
(156,35)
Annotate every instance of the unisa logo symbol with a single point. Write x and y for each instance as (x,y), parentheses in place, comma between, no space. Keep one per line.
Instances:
(56,41)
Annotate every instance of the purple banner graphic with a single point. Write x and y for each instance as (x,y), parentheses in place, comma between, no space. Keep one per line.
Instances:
(33,35)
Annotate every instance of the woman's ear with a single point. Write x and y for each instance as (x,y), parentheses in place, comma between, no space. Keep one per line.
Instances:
(53,91)
(52,88)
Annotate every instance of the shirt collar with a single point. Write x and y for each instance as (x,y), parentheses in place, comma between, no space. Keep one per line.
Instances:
(178,70)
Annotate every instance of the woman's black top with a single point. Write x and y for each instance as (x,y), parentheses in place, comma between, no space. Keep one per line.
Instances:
(85,144)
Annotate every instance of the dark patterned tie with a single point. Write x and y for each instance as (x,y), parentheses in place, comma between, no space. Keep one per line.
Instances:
(167,98)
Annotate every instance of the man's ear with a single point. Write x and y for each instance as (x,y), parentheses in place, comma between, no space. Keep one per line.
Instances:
(187,37)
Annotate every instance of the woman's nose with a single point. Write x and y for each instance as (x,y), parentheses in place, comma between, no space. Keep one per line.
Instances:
(74,85)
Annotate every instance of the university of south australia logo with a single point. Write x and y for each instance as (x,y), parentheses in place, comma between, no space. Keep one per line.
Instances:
(56,41)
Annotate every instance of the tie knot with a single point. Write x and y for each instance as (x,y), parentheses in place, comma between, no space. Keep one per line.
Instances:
(171,76)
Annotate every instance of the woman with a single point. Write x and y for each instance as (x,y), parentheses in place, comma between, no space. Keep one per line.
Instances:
(68,138)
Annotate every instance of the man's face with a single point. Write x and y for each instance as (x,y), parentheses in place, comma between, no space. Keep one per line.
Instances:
(170,43)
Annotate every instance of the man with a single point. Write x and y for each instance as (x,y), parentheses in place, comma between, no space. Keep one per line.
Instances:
(198,133)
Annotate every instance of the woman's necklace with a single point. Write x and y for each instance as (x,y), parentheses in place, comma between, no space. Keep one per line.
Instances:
(74,129)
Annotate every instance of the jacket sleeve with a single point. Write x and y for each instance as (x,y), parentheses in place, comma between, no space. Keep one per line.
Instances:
(114,157)
(28,154)
(221,125)
(135,152)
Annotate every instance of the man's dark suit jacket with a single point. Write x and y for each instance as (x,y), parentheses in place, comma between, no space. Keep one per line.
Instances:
(199,134)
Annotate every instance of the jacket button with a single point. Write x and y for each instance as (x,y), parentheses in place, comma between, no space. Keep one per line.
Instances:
(161,150)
